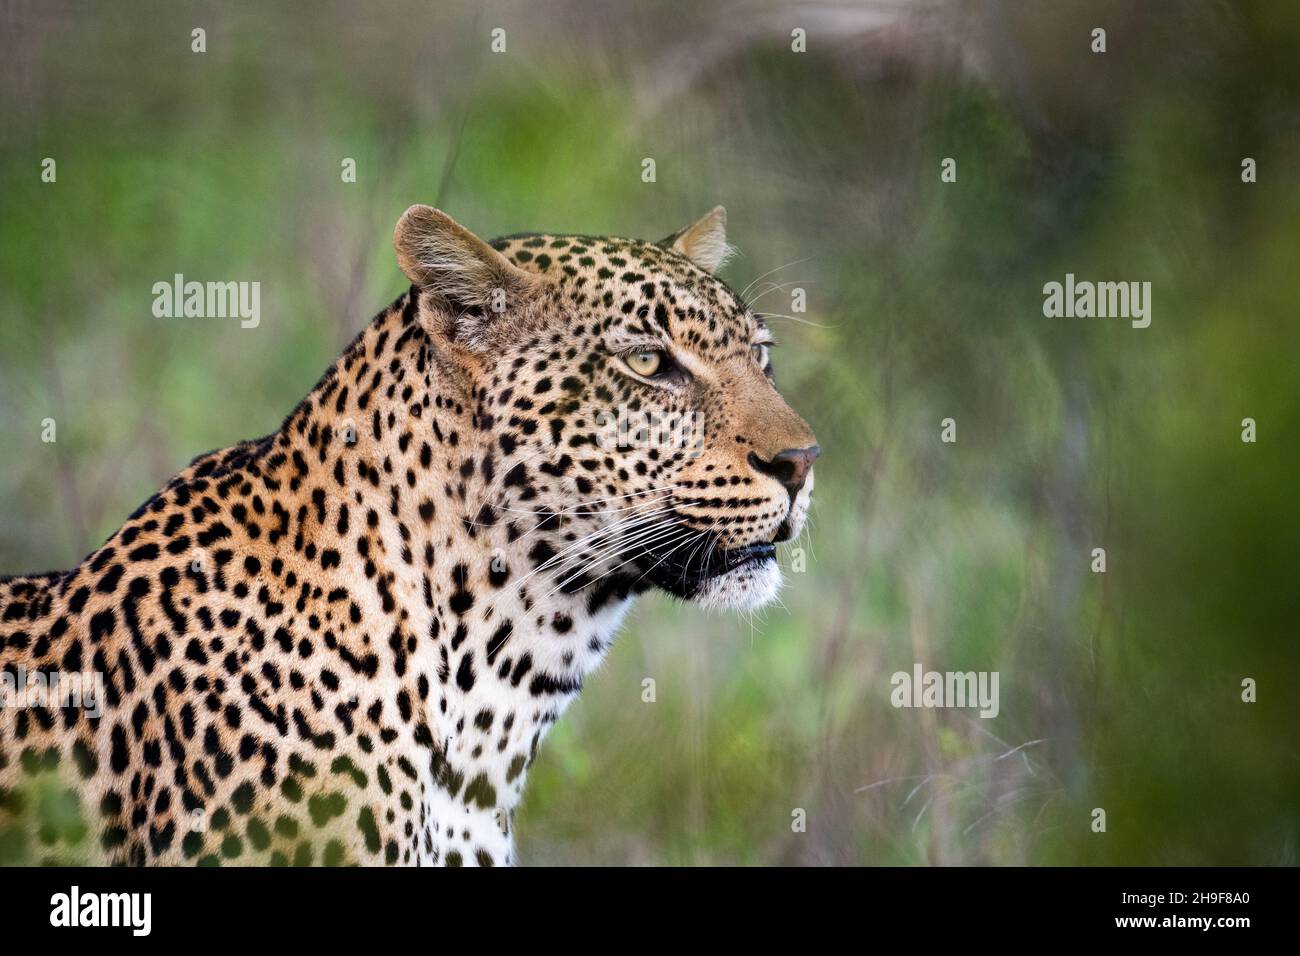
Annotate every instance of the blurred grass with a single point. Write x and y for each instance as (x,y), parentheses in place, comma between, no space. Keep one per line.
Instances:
(1122,689)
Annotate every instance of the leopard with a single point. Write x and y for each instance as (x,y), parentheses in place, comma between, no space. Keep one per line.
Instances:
(343,643)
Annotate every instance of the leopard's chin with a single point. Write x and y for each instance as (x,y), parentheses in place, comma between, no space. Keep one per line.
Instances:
(749,587)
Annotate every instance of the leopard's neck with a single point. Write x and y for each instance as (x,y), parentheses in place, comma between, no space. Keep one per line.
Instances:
(470,642)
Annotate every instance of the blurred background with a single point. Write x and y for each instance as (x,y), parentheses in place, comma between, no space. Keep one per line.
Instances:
(1119,690)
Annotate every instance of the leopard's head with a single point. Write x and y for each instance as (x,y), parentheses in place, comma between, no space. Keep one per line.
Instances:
(625,405)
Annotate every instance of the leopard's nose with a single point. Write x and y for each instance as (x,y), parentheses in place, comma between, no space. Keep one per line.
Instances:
(790,467)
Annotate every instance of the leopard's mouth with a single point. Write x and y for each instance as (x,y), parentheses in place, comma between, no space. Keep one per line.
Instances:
(687,572)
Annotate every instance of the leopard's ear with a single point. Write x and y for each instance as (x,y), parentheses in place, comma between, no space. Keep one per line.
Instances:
(704,242)
(441,256)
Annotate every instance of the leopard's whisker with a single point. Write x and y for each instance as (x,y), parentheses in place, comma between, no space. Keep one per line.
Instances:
(614,528)
(663,559)
(771,287)
(626,538)
(569,510)
(795,318)
(617,527)
(552,515)
(609,544)
(632,522)
(668,535)
(704,539)
(659,542)
(755,281)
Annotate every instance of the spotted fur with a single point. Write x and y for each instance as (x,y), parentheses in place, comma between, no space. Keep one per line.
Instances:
(345,641)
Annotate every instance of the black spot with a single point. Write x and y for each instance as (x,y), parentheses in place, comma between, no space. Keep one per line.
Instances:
(101,625)
(498,640)
(461,600)
(465,672)
(242,798)
(118,759)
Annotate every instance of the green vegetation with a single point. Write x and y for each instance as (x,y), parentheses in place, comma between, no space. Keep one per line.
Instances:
(1118,690)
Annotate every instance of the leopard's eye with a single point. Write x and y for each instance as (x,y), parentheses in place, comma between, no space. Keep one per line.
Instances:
(760,352)
(645,362)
